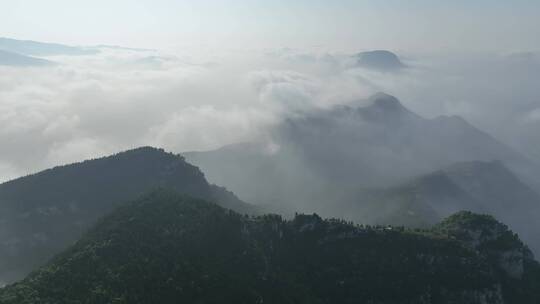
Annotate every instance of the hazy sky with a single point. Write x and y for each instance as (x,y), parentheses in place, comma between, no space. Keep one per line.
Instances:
(413,25)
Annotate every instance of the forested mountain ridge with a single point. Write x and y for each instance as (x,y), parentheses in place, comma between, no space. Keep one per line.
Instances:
(43,213)
(166,248)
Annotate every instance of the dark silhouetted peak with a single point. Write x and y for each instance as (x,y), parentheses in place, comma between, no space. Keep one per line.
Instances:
(147,151)
(379,60)
(144,149)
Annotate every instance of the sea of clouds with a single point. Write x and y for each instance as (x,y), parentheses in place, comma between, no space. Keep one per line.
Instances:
(93,105)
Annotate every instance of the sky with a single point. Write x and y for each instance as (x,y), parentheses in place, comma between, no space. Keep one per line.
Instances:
(221,72)
(416,25)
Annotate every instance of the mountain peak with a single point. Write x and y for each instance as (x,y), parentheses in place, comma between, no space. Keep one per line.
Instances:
(146,150)
(379,60)
(387,108)
(386,102)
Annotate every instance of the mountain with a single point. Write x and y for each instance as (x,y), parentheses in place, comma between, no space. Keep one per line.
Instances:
(43,213)
(490,238)
(35,48)
(483,187)
(14,59)
(165,248)
(420,202)
(381,60)
(358,162)
(501,193)
(388,142)
(344,148)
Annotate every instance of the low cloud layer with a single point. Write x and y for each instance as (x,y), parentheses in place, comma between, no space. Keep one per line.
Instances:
(92,105)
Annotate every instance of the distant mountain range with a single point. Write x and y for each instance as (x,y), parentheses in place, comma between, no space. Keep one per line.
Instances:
(337,162)
(14,52)
(350,146)
(14,59)
(43,213)
(35,48)
(26,53)
(166,248)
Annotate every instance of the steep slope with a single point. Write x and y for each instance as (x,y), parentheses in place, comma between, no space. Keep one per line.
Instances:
(164,248)
(43,213)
